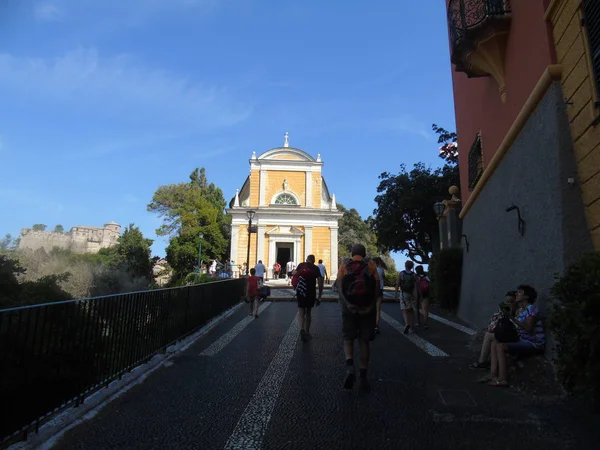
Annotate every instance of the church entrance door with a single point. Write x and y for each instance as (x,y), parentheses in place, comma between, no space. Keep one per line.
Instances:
(285,252)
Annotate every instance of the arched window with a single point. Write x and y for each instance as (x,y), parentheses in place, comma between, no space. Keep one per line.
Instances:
(285,199)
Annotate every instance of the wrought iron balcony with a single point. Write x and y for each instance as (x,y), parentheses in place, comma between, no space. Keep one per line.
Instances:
(478,36)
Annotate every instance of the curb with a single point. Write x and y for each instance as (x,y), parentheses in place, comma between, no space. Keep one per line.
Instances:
(52,431)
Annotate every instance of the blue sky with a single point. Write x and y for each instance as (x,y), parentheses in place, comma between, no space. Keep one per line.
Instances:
(104,101)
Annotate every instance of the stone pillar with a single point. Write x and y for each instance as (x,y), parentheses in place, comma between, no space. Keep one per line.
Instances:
(233,254)
(452,210)
(262,188)
(307,241)
(260,243)
(308,189)
(333,264)
(443,228)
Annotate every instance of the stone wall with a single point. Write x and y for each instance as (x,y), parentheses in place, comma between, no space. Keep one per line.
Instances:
(573,53)
(79,239)
(533,176)
(33,240)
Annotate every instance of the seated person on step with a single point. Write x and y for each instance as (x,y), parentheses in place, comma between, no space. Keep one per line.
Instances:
(531,337)
(509,305)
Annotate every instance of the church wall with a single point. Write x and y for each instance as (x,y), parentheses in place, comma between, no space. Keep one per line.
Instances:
(254,188)
(296,184)
(321,246)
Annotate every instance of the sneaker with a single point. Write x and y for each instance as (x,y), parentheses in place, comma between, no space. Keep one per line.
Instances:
(349,381)
(365,386)
(377,330)
(426,327)
(256,316)
(303,336)
(406,329)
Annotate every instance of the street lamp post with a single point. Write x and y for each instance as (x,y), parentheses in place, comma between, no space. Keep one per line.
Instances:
(200,253)
(250,214)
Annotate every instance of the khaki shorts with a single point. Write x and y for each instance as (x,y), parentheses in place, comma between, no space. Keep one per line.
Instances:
(407,301)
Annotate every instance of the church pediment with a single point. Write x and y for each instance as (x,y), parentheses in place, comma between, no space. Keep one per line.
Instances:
(284,231)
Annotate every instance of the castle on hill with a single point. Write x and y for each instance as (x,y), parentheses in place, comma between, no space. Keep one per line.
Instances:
(79,239)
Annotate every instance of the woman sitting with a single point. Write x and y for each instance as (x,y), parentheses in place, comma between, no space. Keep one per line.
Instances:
(509,304)
(532,338)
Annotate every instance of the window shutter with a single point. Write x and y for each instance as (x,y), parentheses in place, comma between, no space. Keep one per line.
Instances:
(591,11)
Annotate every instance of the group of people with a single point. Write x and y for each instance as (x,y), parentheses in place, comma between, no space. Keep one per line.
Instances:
(515,330)
(360,287)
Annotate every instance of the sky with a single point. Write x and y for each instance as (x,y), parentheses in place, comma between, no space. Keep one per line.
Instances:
(102,102)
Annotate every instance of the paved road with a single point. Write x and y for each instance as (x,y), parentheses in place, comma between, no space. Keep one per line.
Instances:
(253,384)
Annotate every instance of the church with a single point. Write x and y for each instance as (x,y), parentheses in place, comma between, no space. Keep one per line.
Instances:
(293,213)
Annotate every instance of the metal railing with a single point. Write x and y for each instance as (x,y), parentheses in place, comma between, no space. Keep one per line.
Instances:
(54,355)
(465,15)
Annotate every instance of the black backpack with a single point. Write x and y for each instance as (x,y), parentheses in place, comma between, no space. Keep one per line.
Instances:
(408,281)
(505,330)
(358,284)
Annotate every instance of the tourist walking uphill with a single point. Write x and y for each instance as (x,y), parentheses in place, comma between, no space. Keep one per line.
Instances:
(359,291)
(304,281)
(407,283)
(381,268)
(253,293)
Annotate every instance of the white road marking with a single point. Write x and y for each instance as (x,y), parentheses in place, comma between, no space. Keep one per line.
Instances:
(456,326)
(427,347)
(252,426)
(222,342)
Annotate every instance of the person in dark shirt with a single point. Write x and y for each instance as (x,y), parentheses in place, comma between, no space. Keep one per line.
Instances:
(306,293)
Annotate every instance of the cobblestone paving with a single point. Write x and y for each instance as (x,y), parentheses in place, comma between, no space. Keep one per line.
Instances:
(266,389)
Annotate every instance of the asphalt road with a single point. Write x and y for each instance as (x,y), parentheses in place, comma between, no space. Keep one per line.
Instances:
(251,383)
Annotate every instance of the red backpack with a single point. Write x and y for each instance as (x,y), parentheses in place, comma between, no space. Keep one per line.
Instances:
(424,286)
(358,284)
(300,277)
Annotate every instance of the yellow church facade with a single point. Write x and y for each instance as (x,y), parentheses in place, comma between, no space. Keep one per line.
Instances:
(295,215)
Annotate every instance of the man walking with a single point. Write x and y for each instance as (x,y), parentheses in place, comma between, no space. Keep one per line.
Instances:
(323,269)
(260,271)
(307,275)
(358,286)
(289,268)
(407,283)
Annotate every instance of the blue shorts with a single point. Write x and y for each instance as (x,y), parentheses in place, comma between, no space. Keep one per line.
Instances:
(523,348)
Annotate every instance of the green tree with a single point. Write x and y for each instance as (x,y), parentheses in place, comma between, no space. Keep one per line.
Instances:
(132,253)
(8,244)
(404,218)
(59,229)
(39,227)
(188,209)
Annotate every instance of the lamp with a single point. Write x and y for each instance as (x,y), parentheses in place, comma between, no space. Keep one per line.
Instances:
(250,214)
(438,208)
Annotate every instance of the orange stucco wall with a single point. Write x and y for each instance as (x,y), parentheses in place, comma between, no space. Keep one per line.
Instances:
(478,106)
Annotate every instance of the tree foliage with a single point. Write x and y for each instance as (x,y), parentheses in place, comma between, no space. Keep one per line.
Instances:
(132,253)
(188,209)
(404,217)
(354,230)
(8,243)
(59,229)
(39,227)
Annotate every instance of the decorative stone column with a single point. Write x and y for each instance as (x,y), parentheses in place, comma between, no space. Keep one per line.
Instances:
(262,187)
(260,243)
(308,189)
(235,236)
(453,222)
(333,264)
(307,240)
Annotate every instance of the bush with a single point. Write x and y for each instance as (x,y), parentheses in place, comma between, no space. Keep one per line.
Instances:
(447,272)
(575,321)
(390,279)
(194,278)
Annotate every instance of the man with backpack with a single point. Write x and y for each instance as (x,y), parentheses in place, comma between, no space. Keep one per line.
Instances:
(358,287)
(407,283)
(304,281)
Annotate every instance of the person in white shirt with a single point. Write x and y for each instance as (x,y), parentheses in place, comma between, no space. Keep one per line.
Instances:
(289,268)
(213,268)
(260,271)
(323,269)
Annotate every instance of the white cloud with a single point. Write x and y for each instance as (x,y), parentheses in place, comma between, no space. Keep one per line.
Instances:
(408,124)
(84,83)
(47,12)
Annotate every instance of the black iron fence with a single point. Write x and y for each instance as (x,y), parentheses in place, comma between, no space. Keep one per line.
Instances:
(54,355)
